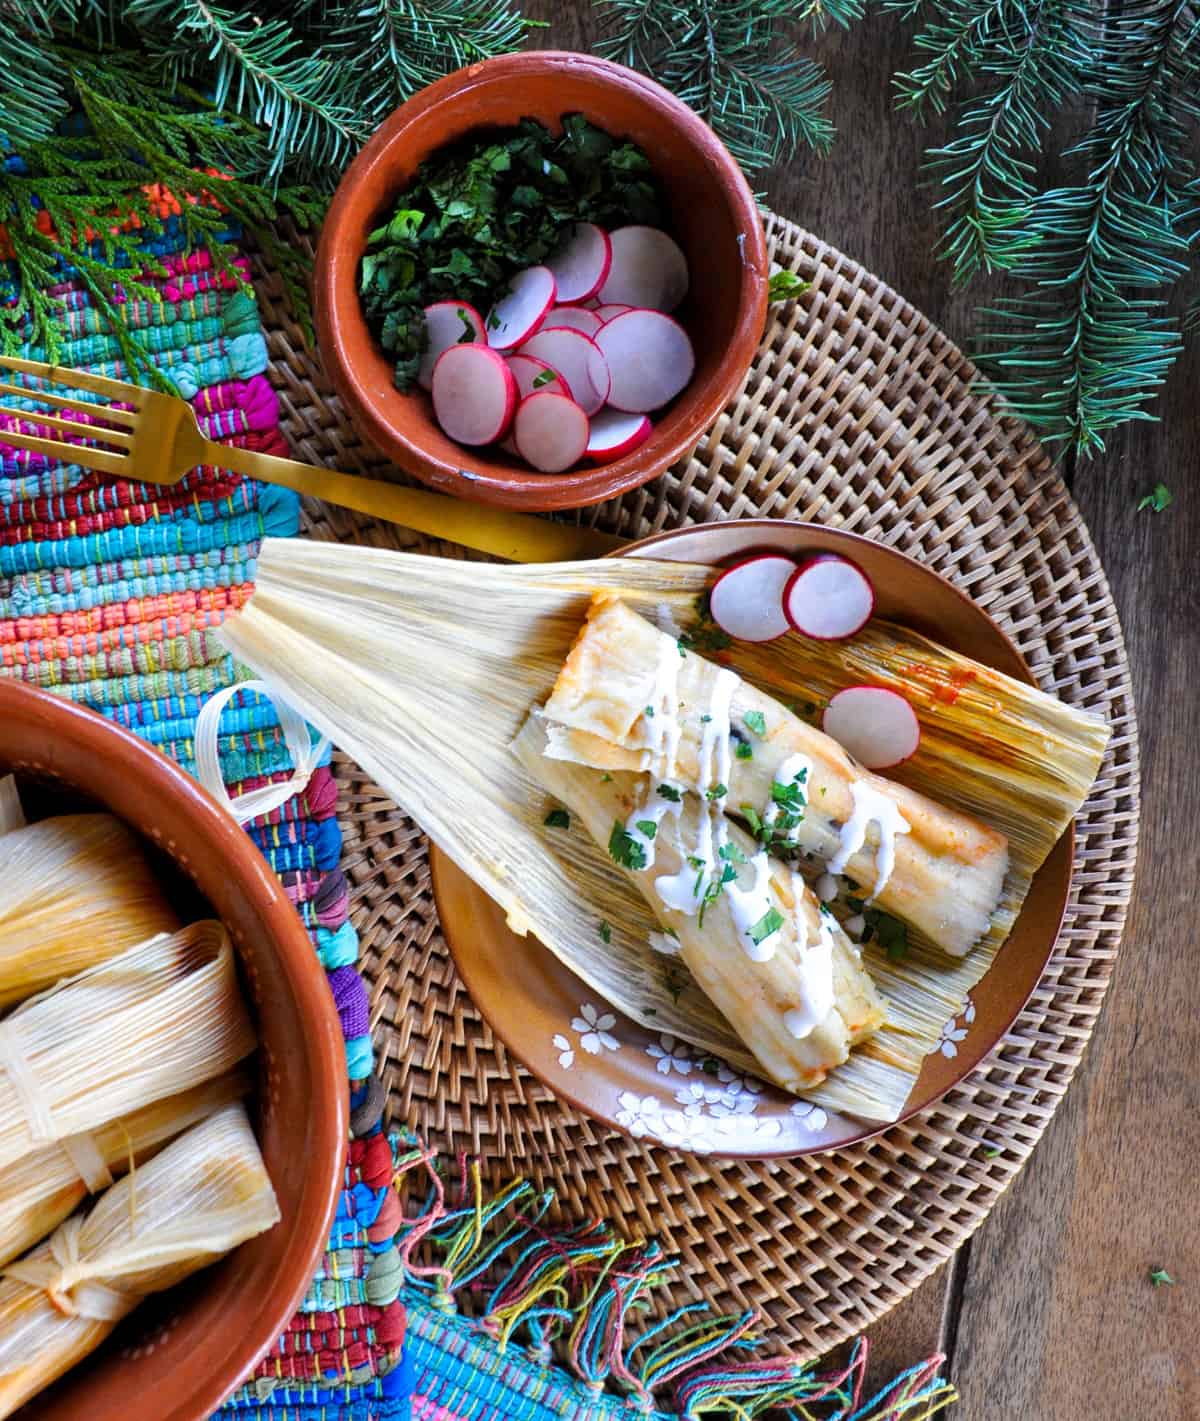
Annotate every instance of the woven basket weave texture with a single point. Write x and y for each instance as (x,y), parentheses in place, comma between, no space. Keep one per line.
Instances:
(860,414)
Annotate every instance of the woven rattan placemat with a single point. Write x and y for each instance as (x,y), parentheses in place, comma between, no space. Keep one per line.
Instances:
(858,413)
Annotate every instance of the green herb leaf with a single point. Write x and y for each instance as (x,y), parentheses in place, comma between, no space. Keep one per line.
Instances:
(670,792)
(543,377)
(756,721)
(717,791)
(647,827)
(557,819)
(1160,1276)
(650,712)
(710,1066)
(468,332)
(891,932)
(744,750)
(624,848)
(1159,497)
(606,778)
(784,285)
(753,818)
(770,922)
(704,719)
(605,931)
(731,853)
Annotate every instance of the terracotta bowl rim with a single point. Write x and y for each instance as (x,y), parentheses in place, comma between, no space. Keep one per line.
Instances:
(336,305)
(262,1324)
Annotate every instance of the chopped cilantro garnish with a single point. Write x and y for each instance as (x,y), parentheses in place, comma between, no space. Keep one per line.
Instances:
(493,321)
(744,750)
(624,848)
(717,791)
(670,792)
(1159,498)
(557,819)
(647,827)
(695,861)
(1159,1276)
(650,712)
(786,286)
(752,818)
(891,933)
(682,648)
(756,721)
(605,778)
(710,1065)
(991,1151)
(544,377)
(704,719)
(770,922)
(790,796)
(605,931)
(731,853)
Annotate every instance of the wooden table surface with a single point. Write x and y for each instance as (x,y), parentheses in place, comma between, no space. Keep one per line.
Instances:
(1048,1314)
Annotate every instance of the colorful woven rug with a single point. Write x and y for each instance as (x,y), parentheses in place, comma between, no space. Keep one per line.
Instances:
(108,591)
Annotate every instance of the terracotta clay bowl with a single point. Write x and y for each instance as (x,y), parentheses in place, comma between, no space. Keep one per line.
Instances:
(181,1354)
(712,215)
(663,1092)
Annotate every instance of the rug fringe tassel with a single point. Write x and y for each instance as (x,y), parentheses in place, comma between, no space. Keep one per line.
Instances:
(582,1286)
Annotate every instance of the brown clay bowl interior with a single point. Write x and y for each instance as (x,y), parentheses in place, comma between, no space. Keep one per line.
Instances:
(712,215)
(181,1354)
(528,996)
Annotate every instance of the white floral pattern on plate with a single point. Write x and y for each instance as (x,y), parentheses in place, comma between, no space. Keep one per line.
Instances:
(812,1117)
(595,1029)
(691,1128)
(953,1034)
(671,1054)
(566,1052)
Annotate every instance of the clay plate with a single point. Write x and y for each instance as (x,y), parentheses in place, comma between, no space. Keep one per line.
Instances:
(646,1085)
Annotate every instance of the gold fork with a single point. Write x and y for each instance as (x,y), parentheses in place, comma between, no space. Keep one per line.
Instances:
(158,441)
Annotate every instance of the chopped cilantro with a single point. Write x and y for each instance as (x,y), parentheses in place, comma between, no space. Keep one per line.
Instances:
(891,933)
(756,721)
(624,848)
(991,1151)
(752,817)
(606,778)
(1159,498)
(786,285)
(682,648)
(1159,1276)
(647,827)
(493,321)
(718,791)
(544,377)
(557,819)
(704,719)
(695,861)
(790,796)
(605,931)
(670,792)
(744,750)
(650,712)
(731,853)
(770,922)
(710,1065)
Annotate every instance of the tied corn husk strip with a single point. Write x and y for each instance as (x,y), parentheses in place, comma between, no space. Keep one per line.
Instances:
(39,1191)
(949,867)
(75,889)
(753,997)
(424,669)
(154,1021)
(195,1201)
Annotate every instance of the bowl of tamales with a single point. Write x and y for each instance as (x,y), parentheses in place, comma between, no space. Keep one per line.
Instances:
(173,1104)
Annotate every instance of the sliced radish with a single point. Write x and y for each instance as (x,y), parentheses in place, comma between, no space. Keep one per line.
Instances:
(648,269)
(551,432)
(877,726)
(650,359)
(532,375)
(581,263)
(522,308)
(577,358)
(447,323)
(829,598)
(614,308)
(577,317)
(746,601)
(474,393)
(614,433)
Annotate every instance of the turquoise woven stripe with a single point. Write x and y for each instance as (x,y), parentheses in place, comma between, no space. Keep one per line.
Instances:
(50,591)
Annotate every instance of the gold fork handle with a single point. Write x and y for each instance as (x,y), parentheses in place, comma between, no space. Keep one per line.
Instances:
(517,536)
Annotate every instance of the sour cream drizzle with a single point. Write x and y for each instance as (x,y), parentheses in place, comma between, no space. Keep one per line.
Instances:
(816,971)
(655,809)
(664,702)
(870,807)
(748,906)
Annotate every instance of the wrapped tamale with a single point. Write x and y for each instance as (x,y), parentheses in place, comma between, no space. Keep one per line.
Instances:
(149,1023)
(199,1198)
(628,698)
(39,1191)
(778,968)
(75,889)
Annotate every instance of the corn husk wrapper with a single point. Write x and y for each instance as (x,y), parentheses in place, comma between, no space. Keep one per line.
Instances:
(195,1201)
(41,1189)
(157,1020)
(424,669)
(75,889)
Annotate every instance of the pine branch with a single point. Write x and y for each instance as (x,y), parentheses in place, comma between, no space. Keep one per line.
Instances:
(723,58)
(260,70)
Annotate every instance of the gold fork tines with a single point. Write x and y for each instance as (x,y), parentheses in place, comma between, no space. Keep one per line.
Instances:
(78,379)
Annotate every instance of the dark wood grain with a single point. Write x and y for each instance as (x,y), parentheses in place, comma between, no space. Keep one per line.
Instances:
(1050,1312)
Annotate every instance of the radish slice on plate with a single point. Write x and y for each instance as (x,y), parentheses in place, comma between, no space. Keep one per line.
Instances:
(746,601)
(877,726)
(581,263)
(577,317)
(447,323)
(551,432)
(614,433)
(650,359)
(474,393)
(532,375)
(577,359)
(829,598)
(614,308)
(648,269)
(522,308)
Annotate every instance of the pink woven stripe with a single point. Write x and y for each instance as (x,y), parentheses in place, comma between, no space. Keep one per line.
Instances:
(423,1409)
